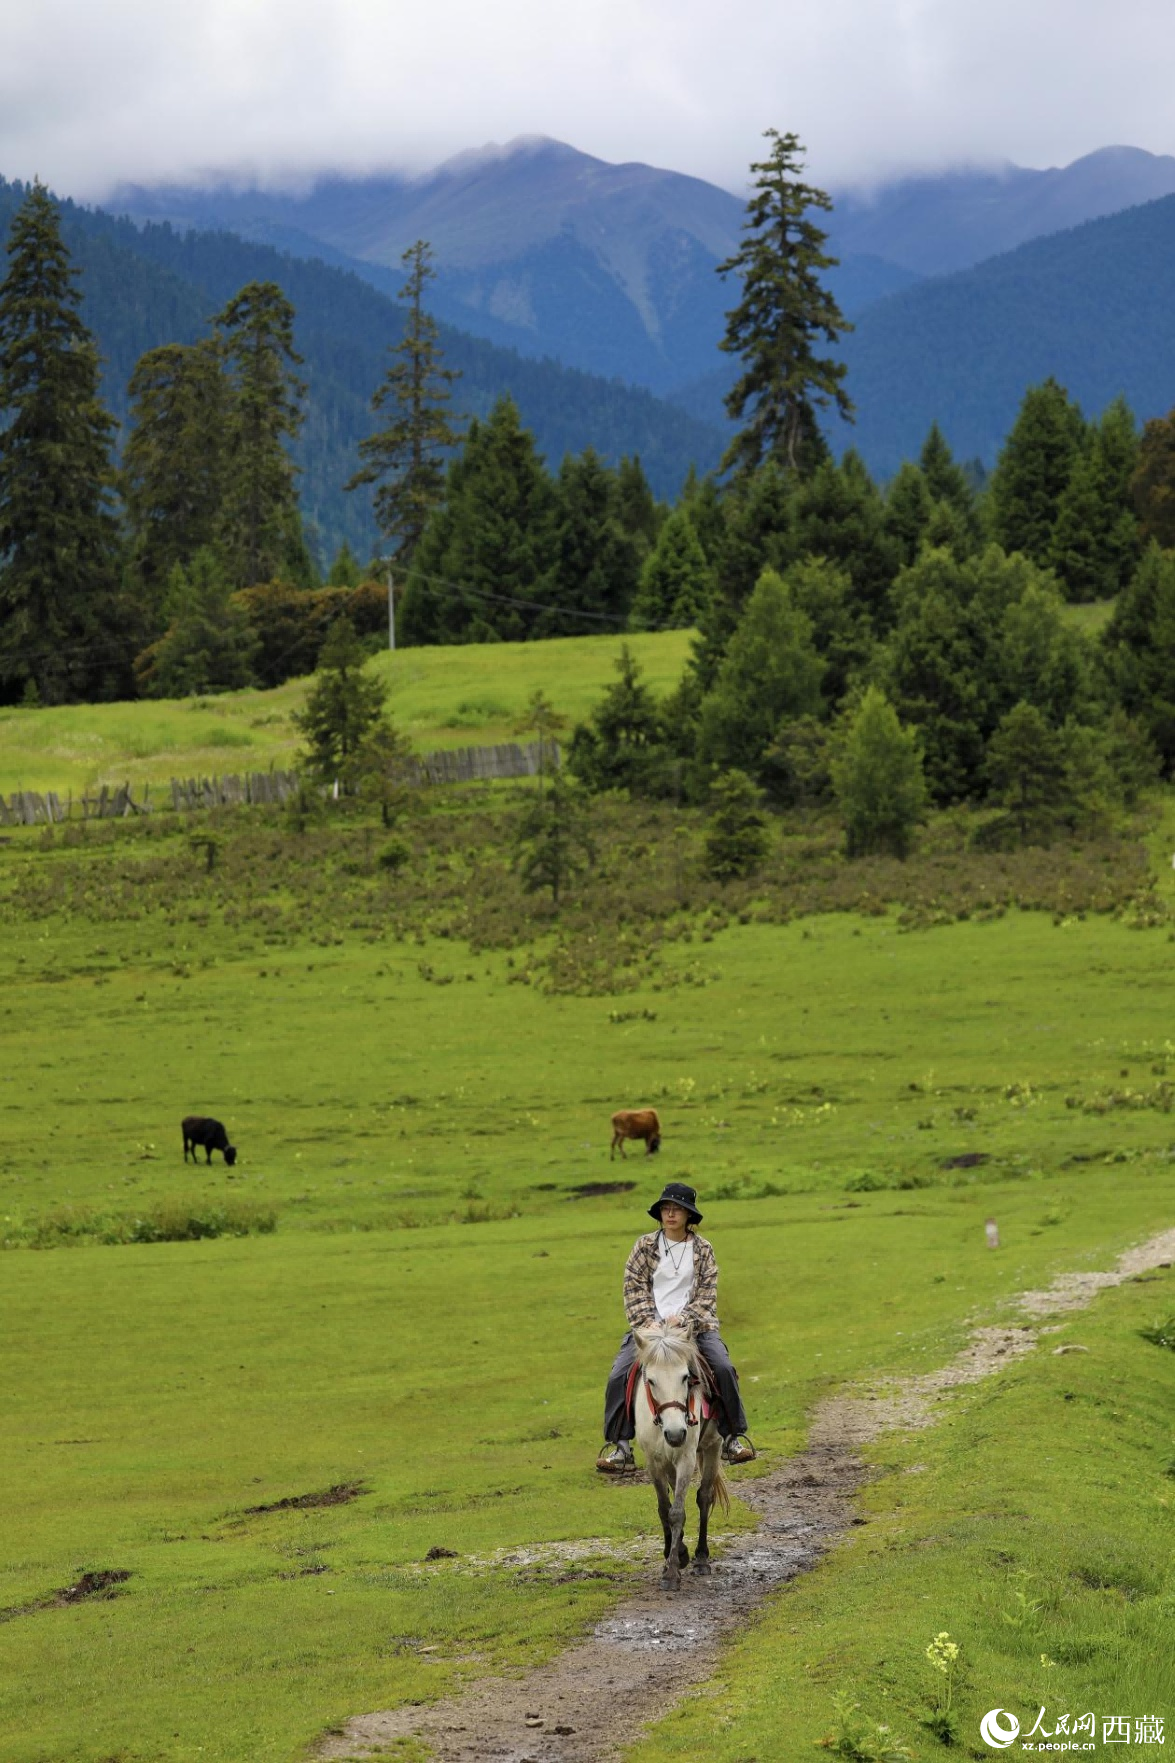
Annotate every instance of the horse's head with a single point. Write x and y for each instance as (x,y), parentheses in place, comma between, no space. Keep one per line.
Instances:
(666,1358)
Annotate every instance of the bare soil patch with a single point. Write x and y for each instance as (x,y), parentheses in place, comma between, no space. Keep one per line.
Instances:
(339,1495)
(103,1582)
(588,1703)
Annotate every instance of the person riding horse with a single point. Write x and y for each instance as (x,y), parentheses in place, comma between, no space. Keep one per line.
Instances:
(672,1276)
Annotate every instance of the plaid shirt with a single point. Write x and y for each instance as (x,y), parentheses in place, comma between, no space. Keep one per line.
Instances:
(700,1314)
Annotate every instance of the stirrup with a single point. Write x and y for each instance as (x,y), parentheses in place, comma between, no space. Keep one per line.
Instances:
(616,1459)
(738,1449)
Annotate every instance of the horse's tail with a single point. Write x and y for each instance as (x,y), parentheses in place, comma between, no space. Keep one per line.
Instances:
(721,1489)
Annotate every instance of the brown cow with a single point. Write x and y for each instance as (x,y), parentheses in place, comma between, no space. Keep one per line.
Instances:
(636,1123)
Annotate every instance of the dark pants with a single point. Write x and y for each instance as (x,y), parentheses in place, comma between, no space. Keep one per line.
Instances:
(619,1424)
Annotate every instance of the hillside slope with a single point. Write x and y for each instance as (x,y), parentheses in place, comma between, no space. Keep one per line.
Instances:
(1090,306)
(152,285)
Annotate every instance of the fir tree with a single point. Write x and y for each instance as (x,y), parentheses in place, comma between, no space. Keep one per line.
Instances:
(636,506)
(770,675)
(484,567)
(1036,655)
(842,634)
(1140,646)
(1095,544)
(838,514)
(909,506)
(1152,485)
(877,775)
(757,536)
(621,744)
(783,316)
(59,543)
(343,710)
(174,464)
(406,460)
(261,529)
(208,645)
(595,570)
(1033,471)
(554,843)
(936,673)
(736,839)
(948,482)
(1026,769)
(705,504)
(344,572)
(675,583)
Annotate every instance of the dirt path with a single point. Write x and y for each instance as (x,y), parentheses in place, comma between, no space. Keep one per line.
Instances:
(586,1704)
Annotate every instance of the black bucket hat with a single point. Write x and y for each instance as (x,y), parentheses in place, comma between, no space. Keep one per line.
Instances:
(680,1196)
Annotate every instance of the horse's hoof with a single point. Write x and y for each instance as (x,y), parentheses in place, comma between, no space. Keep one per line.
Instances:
(702,1567)
(671,1582)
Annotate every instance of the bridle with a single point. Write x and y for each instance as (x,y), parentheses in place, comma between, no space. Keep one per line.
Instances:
(656,1408)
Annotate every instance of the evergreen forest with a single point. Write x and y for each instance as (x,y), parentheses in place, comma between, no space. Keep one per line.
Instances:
(896,646)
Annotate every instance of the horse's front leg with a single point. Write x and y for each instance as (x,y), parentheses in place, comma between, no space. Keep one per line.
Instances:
(676,1553)
(661,1484)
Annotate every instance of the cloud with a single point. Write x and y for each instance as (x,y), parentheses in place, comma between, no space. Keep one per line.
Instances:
(97,91)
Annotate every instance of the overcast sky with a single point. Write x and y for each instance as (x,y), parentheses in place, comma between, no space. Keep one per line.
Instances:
(95,91)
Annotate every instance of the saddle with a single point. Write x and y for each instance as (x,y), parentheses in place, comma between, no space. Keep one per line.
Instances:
(703,1381)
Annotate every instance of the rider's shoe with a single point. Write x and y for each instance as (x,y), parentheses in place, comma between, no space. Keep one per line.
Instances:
(738,1449)
(616,1459)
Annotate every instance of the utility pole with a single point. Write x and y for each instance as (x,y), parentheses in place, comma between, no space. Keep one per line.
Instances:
(391,610)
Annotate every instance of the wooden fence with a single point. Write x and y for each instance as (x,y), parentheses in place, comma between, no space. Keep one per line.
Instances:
(456,765)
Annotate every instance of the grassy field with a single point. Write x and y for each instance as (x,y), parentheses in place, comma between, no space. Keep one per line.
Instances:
(448,697)
(1034,1527)
(427,1328)
(439,697)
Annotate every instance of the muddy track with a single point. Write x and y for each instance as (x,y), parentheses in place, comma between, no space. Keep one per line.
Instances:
(586,1704)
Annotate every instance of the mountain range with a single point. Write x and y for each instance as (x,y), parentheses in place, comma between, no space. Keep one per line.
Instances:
(148,285)
(611,268)
(552,263)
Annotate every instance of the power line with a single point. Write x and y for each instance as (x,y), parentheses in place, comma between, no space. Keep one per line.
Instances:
(440,586)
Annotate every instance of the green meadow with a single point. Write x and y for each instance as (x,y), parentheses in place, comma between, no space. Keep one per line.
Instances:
(266,1433)
(453,697)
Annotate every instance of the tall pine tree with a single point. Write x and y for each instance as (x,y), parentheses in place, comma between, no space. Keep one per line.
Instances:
(783,317)
(174,462)
(59,542)
(405,460)
(261,527)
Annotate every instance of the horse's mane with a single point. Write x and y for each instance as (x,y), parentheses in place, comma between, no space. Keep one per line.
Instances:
(662,1343)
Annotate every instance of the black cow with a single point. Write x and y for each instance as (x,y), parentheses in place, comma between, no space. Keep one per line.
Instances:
(200,1130)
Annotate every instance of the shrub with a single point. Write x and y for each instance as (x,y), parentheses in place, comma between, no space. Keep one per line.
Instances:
(394,855)
(169,1221)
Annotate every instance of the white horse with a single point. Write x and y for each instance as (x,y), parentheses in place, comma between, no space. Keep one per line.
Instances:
(677,1440)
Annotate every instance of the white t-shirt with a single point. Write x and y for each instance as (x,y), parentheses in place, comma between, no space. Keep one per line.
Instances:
(674,1276)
